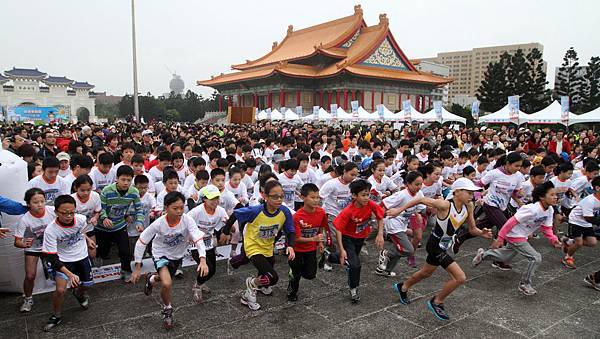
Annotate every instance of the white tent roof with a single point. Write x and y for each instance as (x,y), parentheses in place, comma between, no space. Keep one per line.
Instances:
(390,116)
(414,115)
(290,115)
(591,116)
(549,115)
(262,115)
(323,115)
(276,115)
(364,115)
(446,116)
(503,116)
(342,115)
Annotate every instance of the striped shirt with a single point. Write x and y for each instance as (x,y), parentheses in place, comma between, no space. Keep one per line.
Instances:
(116,207)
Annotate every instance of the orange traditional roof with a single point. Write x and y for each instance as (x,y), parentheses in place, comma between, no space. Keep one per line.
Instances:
(330,36)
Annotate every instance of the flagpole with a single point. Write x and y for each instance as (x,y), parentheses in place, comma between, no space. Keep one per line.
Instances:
(136,107)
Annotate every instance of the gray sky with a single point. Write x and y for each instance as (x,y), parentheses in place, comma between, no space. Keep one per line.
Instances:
(91,40)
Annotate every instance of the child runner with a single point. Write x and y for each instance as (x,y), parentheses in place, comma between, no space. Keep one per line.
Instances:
(527,220)
(101,174)
(290,182)
(169,235)
(431,188)
(50,182)
(352,227)
(309,221)
(29,236)
(210,218)
(89,205)
(451,215)
(262,224)
(65,248)
(382,186)
(148,201)
(582,220)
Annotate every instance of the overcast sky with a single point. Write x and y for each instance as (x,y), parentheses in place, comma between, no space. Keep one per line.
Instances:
(91,40)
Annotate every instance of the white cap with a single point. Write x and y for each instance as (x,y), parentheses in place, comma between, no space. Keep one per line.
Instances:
(465,184)
(146,132)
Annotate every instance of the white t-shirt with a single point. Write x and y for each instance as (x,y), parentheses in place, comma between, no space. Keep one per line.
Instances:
(309,176)
(422,157)
(64,173)
(228,201)
(247,180)
(172,241)
(208,223)
(156,174)
(88,208)
(563,186)
(527,190)
(183,173)
(240,192)
(335,195)
(160,198)
(31,227)
(69,180)
(324,178)
(587,207)
(291,188)
(400,222)
(66,241)
(148,205)
(447,172)
(189,181)
(432,191)
(378,189)
(582,187)
(51,190)
(100,179)
(530,218)
(501,187)
(352,151)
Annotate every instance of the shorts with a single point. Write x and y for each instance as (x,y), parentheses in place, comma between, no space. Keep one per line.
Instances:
(33,254)
(435,255)
(91,233)
(415,224)
(576,231)
(171,265)
(81,268)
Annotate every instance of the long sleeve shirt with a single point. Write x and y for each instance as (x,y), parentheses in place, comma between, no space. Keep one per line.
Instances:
(11,207)
(116,207)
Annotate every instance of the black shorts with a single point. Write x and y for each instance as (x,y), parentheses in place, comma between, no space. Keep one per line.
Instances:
(33,254)
(81,268)
(576,231)
(171,265)
(91,233)
(435,255)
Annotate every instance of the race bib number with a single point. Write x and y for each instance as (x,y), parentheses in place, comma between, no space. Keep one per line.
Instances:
(267,232)
(208,242)
(362,227)
(343,202)
(117,212)
(309,232)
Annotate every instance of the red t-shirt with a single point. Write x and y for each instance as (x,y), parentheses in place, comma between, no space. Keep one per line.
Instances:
(308,225)
(354,222)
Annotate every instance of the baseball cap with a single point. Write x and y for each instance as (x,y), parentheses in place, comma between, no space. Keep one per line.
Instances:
(210,192)
(146,132)
(465,184)
(63,156)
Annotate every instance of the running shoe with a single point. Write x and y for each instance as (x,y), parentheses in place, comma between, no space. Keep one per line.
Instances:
(412,261)
(168,320)
(197,293)
(527,289)
(384,273)
(249,295)
(383,260)
(501,266)
(126,276)
(437,309)
(354,296)
(403,295)
(455,247)
(179,273)
(27,305)
(82,299)
(292,295)
(478,257)
(568,263)
(590,281)
(230,267)
(52,323)
(266,290)
(148,285)
(327,267)
(324,261)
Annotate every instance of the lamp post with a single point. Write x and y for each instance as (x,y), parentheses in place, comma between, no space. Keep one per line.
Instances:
(136,108)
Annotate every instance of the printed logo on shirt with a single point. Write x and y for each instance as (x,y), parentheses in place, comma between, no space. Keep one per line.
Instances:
(50,195)
(267,231)
(174,239)
(70,240)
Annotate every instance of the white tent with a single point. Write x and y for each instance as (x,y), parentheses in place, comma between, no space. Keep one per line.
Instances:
(276,115)
(591,116)
(290,115)
(323,115)
(363,115)
(550,115)
(414,115)
(390,116)
(503,116)
(446,117)
(342,115)
(262,115)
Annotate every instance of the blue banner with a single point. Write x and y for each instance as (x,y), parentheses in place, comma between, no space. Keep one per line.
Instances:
(564,108)
(36,114)
(475,109)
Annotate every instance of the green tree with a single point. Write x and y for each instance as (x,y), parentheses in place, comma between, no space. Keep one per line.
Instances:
(493,90)
(590,90)
(107,110)
(569,81)
(518,74)
(464,112)
(172,115)
(537,95)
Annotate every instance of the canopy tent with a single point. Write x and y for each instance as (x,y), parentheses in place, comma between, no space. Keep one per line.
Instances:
(363,115)
(503,117)
(276,115)
(323,115)
(591,116)
(550,115)
(262,115)
(431,116)
(290,115)
(390,116)
(342,115)
(414,115)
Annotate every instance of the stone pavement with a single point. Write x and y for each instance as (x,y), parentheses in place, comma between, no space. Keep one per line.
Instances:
(487,306)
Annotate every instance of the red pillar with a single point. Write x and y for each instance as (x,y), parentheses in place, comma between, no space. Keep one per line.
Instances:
(270,100)
(362,98)
(400,101)
(329,94)
(337,98)
(382,97)
(220,103)
(297,98)
(353,94)
(372,99)
(345,99)
(281,98)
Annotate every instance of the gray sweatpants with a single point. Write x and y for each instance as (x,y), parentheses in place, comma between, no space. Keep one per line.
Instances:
(334,256)
(510,250)
(399,246)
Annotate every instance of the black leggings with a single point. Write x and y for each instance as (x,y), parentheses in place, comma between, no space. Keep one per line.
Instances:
(211,262)
(304,266)
(352,246)
(121,239)
(266,273)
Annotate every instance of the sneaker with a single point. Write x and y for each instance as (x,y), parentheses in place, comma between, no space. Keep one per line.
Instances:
(364,251)
(292,295)
(384,273)
(249,295)
(354,297)
(527,289)
(566,241)
(230,268)
(266,290)
(27,305)
(179,273)
(501,266)
(478,257)
(197,293)
(52,323)
(589,279)
(412,262)
(327,267)
(82,299)
(568,263)
(167,314)
(126,276)
(437,310)
(383,260)
(148,285)
(403,295)
(324,260)
(455,247)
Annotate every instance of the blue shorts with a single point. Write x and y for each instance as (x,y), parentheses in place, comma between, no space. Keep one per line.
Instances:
(171,265)
(81,268)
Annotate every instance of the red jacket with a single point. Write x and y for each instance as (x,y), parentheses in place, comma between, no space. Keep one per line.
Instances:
(63,143)
(566,146)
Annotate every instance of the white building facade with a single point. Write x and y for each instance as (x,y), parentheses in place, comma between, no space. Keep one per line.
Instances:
(33,88)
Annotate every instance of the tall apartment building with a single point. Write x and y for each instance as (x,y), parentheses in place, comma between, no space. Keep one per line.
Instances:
(467,68)
(438,93)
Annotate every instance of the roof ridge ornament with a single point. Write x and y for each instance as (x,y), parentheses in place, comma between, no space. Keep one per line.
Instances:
(274,45)
(358,9)
(290,29)
(383,19)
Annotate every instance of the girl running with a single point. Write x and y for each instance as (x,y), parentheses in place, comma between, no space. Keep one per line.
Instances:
(451,215)
(88,204)
(382,185)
